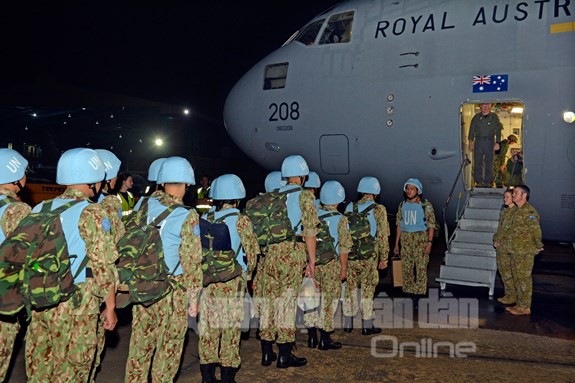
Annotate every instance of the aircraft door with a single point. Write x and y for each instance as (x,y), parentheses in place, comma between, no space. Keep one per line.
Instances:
(334,154)
(507,161)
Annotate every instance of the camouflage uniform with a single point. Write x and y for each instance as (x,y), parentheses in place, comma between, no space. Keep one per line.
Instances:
(9,326)
(160,329)
(413,252)
(503,257)
(499,161)
(523,242)
(362,274)
(327,277)
(113,208)
(281,277)
(222,307)
(61,341)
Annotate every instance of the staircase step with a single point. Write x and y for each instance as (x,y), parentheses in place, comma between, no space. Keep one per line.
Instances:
(474,236)
(486,202)
(478,225)
(487,214)
(466,274)
(470,261)
(488,191)
(477,252)
(472,245)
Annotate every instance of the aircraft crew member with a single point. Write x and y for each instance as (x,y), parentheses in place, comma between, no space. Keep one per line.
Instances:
(499,161)
(222,303)
(523,244)
(12,181)
(415,222)
(123,185)
(282,269)
(162,326)
(153,171)
(61,341)
(313,183)
(330,266)
(503,259)
(113,208)
(369,253)
(203,202)
(484,132)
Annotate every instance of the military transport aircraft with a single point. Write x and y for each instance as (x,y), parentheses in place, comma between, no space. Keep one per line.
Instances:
(388,88)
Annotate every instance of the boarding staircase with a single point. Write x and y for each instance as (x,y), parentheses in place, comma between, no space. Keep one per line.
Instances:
(470,256)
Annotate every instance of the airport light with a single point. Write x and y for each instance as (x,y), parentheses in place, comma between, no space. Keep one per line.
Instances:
(186,112)
(517,109)
(159,142)
(569,117)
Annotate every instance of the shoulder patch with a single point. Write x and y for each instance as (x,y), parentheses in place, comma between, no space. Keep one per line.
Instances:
(120,212)
(197,230)
(106,225)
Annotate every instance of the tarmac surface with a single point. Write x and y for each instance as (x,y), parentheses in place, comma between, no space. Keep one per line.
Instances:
(483,343)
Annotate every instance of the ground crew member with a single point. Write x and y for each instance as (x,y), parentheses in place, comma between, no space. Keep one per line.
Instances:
(113,208)
(222,303)
(330,266)
(61,341)
(203,202)
(499,161)
(484,132)
(362,268)
(503,259)
(415,222)
(123,185)
(282,268)
(162,326)
(523,244)
(12,211)
(313,183)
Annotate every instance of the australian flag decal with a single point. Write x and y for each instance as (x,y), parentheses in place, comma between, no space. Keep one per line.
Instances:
(490,83)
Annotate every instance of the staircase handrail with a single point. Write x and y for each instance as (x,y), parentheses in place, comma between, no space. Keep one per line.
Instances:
(466,162)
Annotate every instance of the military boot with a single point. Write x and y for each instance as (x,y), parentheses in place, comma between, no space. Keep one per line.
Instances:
(507,300)
(368,328)
(312,337)
(347,324)
(326,343)
(209,373)
(287,359)
(229,374)
(268,354)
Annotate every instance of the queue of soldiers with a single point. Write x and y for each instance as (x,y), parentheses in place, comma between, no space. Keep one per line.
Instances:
(282,236)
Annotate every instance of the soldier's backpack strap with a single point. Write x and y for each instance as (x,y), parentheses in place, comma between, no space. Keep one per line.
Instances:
(329,214)
(163,215)
(6,201)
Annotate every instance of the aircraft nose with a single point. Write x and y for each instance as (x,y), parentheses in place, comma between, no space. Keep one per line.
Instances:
(239,113)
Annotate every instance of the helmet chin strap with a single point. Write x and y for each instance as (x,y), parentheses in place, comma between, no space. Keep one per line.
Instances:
(20,187)
(96,193)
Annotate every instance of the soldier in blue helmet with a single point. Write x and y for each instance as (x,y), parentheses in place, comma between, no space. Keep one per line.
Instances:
(222,302)
(12,211)
(313,183)
(61,341)
(370,231)
(162,326)
(415,222)
(273,181)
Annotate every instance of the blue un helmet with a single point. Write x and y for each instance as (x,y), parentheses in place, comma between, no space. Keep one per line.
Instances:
(331,193)
(155,169)
(12,166)
(212,187)
(274,181)
(111,162)
(80,166)
(313,181)
(415,182)
(369,185)
(229,187)
(294,166)
(176,170)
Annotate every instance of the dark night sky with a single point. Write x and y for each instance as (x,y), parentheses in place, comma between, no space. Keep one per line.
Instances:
(179,52)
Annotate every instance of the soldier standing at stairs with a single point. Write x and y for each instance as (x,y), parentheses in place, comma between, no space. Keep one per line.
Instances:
(500,244)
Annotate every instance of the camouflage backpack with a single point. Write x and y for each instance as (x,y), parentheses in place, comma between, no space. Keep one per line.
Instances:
(269,216)
(143,272)
(219,262)
(35,264)
(360,230)
(325,250)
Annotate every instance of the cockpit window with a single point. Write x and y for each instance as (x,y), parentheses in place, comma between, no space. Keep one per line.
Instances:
(338,29)
(275,76)
(308,34)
